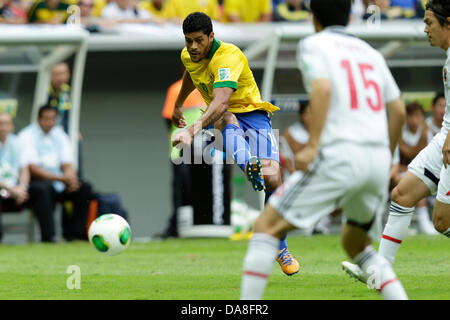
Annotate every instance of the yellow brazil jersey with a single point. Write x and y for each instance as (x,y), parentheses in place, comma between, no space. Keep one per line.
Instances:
(226,66)
(182,8)
(249,10)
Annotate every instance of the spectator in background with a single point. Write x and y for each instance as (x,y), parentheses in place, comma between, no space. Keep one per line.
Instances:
(248,11)
(54,178)
(48,12)
(14,174)
(126,11)
(180,9)
(12,13)
(414,139)
(383,5)
(406,9)
(434,122)
(157,8)
(59,92)
(59,98)
(291,10)
(91,22)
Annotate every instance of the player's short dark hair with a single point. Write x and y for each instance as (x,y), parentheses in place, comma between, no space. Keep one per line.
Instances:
(331,12)
(413,107)
(440,9)
(197,21)
(437,97)
(45,108)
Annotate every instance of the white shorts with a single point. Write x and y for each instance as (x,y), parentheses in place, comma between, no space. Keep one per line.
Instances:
(353,177)
(429,168)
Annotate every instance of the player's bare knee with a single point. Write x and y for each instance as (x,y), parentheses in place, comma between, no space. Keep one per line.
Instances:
(399,196)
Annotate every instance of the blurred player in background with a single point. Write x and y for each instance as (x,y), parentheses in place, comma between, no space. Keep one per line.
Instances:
(434,122)
(428,173)
(221,73)
(414,139)
(346,160)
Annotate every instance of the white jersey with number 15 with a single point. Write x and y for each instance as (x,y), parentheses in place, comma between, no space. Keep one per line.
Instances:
(361,86)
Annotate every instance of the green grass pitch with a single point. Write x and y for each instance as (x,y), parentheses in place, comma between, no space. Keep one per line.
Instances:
(210,269)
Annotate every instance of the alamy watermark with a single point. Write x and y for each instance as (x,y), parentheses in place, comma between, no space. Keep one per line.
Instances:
(263,142)
(74,280)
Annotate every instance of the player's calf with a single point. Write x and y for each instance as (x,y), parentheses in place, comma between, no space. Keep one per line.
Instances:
(441,218)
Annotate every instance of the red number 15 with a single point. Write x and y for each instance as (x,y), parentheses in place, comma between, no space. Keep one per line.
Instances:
(367,84)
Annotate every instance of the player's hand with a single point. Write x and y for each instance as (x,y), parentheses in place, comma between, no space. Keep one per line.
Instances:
(178,118)
(446,152)
(183,137)
(72,183)
(305,157)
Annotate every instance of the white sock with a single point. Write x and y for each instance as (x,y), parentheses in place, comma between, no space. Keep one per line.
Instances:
(395,230)
(422,213)
(447,233)
(380,274)
(258,263)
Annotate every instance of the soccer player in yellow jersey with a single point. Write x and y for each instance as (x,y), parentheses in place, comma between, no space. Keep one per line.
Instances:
(221,73)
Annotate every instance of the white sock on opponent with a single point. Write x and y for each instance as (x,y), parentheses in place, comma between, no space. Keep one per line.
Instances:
(380,274)
(395,230)
(258,263)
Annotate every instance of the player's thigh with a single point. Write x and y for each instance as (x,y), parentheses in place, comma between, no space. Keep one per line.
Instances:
(367,197)
(259,134)
(410,190)
(271,173)
(362,208)
(423,174)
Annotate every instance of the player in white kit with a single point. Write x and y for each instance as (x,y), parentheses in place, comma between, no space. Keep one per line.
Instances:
(429,172)
(348,155)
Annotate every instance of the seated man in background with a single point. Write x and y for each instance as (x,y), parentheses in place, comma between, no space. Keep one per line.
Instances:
(12,13)
(248,11)
(54,178)
(291,10)
(48,12)
(126,11)
(14,174)
(414,139)
(434,122)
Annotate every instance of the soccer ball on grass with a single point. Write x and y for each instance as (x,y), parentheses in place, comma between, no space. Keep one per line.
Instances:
(110,234)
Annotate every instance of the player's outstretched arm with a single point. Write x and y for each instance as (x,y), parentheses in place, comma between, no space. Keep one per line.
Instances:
(396,119)
(320,103)
(214,112)
(187,87)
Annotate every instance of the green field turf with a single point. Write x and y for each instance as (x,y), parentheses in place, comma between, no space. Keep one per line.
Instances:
(210,269)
